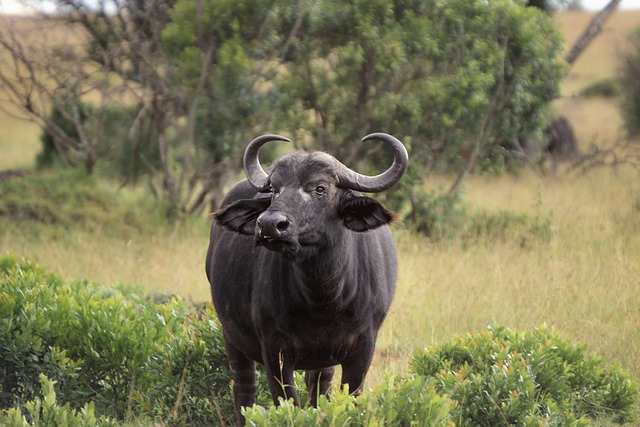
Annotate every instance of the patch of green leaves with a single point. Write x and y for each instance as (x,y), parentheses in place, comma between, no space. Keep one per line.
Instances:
(45,411)
(605,88)
(497,377)
(71,198)
(400,401)
(502,377)
(109,347)
(440,215)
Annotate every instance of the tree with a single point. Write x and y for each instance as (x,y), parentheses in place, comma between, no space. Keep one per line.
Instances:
(452,79)
(218,50)
(119,53)
(47,81)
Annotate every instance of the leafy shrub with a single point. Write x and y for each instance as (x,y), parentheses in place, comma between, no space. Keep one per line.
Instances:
(629,72)
(48,155)
(605,88)
(501,376)
(437,215)
(440,215)
(497,377)
(109,347)
(122,152)
(45,411)
(69,198)
(400,401)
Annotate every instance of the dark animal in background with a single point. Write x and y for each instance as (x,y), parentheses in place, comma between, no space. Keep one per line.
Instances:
(558,144)
(302,270)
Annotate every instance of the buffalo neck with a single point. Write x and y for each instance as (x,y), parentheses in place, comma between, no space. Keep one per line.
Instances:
(325,277)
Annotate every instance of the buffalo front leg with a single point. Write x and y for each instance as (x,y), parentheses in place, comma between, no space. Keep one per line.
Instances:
(356,366)
(318,383)
(279,371)
(243,371)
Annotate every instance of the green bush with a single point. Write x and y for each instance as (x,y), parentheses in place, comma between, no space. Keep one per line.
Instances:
(605,88)
(46,412)
(73,198)
(501,376)
(124,152)
(48,155)
(497,377)
(440,215)
(109,347)
(401,401)
(629,72)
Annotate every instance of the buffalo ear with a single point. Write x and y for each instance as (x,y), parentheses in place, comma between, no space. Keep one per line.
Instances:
(361,213)
(240,216)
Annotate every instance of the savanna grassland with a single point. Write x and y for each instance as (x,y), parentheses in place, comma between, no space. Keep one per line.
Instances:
(578,272)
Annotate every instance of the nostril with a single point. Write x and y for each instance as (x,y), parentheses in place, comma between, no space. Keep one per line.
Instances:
(272,225)
(283,225)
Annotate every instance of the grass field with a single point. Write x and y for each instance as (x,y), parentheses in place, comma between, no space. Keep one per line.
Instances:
(582,280)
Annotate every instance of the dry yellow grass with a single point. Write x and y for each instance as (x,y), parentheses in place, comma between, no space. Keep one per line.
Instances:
(583,281)
(19,143)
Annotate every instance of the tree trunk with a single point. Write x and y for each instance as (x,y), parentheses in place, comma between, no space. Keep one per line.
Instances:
(590,33)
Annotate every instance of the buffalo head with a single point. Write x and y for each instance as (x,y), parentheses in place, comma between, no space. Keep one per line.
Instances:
(306,197)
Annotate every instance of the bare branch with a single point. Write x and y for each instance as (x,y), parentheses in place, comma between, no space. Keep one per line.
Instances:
(591,32)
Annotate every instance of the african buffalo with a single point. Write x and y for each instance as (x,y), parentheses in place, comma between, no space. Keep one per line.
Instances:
(302,270)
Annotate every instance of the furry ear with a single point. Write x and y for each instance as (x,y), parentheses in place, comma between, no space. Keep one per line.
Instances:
(361,213)
(240,216)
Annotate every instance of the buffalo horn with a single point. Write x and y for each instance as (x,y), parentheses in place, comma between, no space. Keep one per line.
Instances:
(347,178)
(256,176)
(374,184)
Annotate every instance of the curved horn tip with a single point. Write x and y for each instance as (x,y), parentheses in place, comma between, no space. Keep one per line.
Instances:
(398,146)
(377,135)
(273,137)
(375,184)
(282,138)
(256,176)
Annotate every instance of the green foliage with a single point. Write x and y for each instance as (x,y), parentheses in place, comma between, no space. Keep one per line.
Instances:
(433,73)
(440,215)
(125,151)
(497,377)
(445,77)
(437,214)
(48,155)
(454,80)
(229,37)
(192,378)
(72,198)
(501,377)
(605,88)
(109,348)
(629,72)
(400,401)
(46,412)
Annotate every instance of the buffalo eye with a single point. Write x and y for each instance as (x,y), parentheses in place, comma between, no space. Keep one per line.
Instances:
(320,190)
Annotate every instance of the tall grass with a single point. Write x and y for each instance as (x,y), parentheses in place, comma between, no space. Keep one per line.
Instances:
(583,281)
